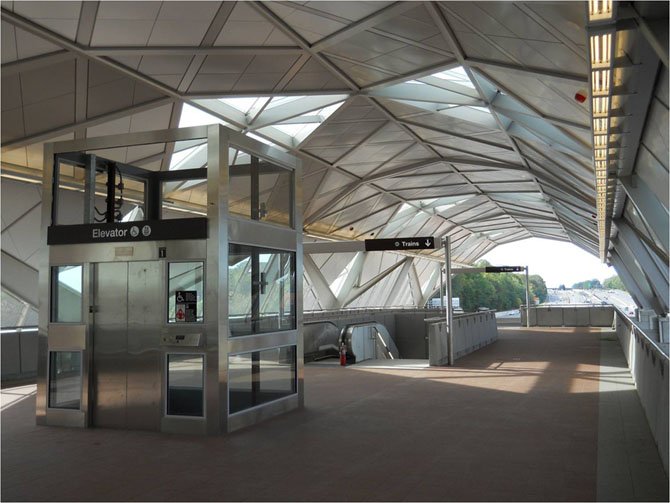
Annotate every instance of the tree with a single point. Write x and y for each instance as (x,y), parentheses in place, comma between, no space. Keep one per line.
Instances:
(614,283)
(538,288)
(501,291)
(589,284)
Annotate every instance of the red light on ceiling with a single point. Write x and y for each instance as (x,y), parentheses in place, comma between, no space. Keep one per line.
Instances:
(580,96)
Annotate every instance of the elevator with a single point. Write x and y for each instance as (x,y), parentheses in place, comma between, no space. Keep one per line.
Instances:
(169,299)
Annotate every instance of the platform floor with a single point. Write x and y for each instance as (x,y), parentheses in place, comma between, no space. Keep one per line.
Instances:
(541,415)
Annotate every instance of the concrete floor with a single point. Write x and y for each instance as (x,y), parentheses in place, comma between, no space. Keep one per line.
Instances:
(539,415)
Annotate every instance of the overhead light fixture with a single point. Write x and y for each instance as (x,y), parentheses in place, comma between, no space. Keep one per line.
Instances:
(601,50)
(601,106)
(600,10)
(600,82)
(600,141)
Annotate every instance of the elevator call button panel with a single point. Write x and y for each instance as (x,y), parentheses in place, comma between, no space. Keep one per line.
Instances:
(191,340)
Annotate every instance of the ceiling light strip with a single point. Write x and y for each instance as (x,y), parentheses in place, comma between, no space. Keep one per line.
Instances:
(601,46)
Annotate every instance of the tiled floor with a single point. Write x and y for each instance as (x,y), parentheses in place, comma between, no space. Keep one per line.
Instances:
(518,420)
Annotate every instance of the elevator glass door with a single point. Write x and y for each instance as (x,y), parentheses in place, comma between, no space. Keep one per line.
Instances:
(127,321)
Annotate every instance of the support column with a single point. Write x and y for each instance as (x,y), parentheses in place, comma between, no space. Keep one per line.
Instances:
(449,309)
(527,301)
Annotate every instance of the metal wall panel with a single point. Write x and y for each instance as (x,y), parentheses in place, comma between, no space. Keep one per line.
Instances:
(110,345)
(146,315)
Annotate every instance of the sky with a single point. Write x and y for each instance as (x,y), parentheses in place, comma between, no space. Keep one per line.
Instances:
(557,262)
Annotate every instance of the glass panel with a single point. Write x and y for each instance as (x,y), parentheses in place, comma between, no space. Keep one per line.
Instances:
(65,379)
(239,193)
(275,194)
(259,190)
(261,290)
(277,298)
(185,292)
(261,377)
(239,290)
(185,386)
(71,199)
(184,199)
(66,283)
(277,374)
(240,392)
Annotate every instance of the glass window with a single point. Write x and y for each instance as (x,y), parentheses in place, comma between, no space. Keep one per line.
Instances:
(261,377)
(185,385)
(66,294)
(239,290)
(70,201)
(275,194)
(184,198)
(65,379)
(261,286)
(185,292)
(276,374)
(240,392)
(260,190)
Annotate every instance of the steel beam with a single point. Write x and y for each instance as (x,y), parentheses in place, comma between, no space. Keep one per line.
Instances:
(643,258)
(650,209)
(59,131)
(370,21)
(19,279)
(325,295)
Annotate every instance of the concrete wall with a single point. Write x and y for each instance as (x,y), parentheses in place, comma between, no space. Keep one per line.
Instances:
(19,355)
(569,316)
(649,368)
(471,332)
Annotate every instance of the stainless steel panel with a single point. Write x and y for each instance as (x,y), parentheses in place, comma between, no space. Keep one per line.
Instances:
(263,412)
(63,417)
(43,286)
(216,284)
(248,232)
(110,345)
(248,343)
(106,252)
(262,150)
(66,336)
(146,314)
(181,339)
(127,139)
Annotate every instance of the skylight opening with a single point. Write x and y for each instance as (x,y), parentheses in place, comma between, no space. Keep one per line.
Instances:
(457,76)
(246,105)
(282,100)
(191,116)
(480,109)
(301,129)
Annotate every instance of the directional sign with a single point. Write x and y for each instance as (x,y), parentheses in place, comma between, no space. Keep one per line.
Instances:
(425,243)
(505,268)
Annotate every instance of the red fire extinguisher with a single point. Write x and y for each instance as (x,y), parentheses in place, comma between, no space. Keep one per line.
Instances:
(343,354)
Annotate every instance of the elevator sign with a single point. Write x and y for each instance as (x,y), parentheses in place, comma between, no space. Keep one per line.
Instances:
(186,306)
(426,243)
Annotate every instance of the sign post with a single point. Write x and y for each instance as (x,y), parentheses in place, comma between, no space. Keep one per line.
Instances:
(527,300)
(450,309)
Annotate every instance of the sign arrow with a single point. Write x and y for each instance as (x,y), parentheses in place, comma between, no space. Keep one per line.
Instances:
(428,243)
